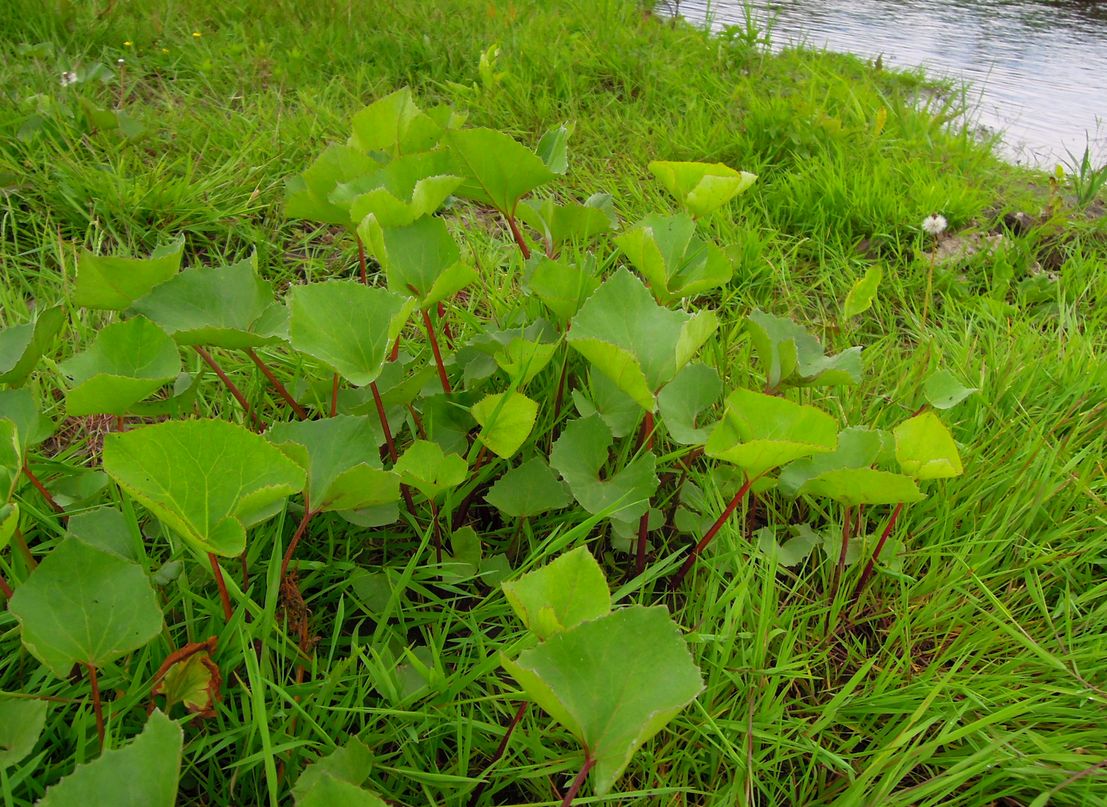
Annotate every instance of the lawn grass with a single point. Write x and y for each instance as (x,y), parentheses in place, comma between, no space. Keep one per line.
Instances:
(976,675)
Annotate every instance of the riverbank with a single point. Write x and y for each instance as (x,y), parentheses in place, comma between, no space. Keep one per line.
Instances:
(975,675)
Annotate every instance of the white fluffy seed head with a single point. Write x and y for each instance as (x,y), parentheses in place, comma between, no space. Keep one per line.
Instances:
(935,224)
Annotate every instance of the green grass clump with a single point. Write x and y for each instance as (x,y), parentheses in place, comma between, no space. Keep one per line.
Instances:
(973,674)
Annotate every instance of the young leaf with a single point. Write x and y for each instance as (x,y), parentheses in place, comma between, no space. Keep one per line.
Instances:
(562,594)
(128,361)
(633,340)
(942,390)
(342,458)
(307,196)
(528,490)
(228,306)
(695,388)
(790,355)
(619,411)
(85,606)
(144,773)
(427,468)
(114,283)
(420,259)
(21,723)
(506,420)
(406,189)
(853,486)
(858,447)
(925,448)
(614,682)
(20,407)
(793,551)
(194,682)
(498,170)
(21,346)
(206,479)
(677,263)
(579,455)
(701,187)
(760,432)
(348,326)
(863,292)
(394,125)
(560,224)
(523,359)
(562,286)
(553,148)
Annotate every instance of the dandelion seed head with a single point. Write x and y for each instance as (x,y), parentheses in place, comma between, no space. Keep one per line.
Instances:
(934,224)
(68,77)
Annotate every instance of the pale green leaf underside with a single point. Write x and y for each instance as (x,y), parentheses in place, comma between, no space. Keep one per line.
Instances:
(853,486)
(701,187)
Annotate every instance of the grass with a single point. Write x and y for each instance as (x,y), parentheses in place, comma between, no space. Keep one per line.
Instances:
(977,675)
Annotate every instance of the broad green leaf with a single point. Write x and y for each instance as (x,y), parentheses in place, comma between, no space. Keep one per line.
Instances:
(307,196)
(194,683)
(429,470)
(208,480)
(925,448)
(635,342)
(334,780)
(790,355)
(760,432)
(858,447)
(342,458)
(528,490)
(126,362)
(692,391)
(572,222)
(106,529)
(497,169)
(619,411)
(942,390)
(20,407)
(863,293)
(400,192)
(106,281)
(523,359)
(21,724)
(85,606)
(421,259)
(143,773)
(462,562)
(227,306)
(506,420)
(11,460)
(329,791)
(673,259)
(614,682)
(9,520)
(562,286)
(562,594)
(853,486)
(21,346)
(553,148)
(580,454)
(348,326)
(447,420)
(394,125)
(793,551)
(701,187)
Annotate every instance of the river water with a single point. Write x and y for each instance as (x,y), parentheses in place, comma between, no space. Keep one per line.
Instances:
(1035,70)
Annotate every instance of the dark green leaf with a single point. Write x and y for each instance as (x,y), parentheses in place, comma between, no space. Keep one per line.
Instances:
(528,490)
(21,346)
(105,281)
(21,723)
(498,170)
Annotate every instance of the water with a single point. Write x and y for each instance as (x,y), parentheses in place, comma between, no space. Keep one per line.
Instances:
(1036,71)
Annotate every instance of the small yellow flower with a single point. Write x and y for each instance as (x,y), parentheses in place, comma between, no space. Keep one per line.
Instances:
(196,34)
(165,50)
(128,44)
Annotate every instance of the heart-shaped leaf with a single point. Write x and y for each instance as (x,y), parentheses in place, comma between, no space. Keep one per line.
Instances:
(858,447)
(528,490)
(144,773)
(85,606)
(695,388)
(20,407)
(790,355)
(402,191)
(580,454)
(128,361)
(227,306)
(793,551)
(853,486)
(523,359)
(106,281)
(506,420)
(21,724)
(619,411)
(106,529)
(862,293)
(925,448)
(675,261)
(342,458)
(429,470)
(701,187)
(498,170)
(562,594)
(760,432)
(394,125)
(614,682)
(635,342)
(553,148)
(206,479)
(942,390)
(421,259)
(562,286)
(572,222)
(21,346)
(348,326)
(308,195)
(351,763)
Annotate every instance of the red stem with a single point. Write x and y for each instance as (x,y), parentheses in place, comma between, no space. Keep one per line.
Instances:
(645,439)
(334,396)
(57,508)
(5,589)
(245,571)
(300,530)
(395,354)
(447,334)
(518,236)
(578,782)
(224,597)
(384,422)
(96,706)
(522,710)
(19,541)
(869,568)
(695,553)
(437,354)
(301,413)
(230,385)
(361,260)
